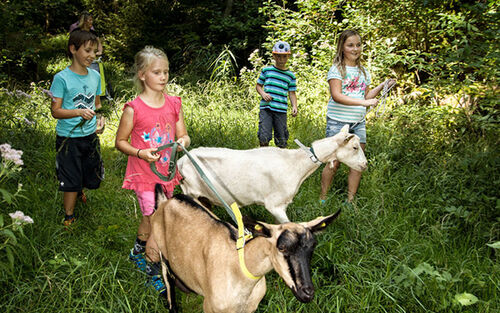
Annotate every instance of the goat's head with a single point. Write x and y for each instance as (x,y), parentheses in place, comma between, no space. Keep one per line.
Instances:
(292,245)
(344,147)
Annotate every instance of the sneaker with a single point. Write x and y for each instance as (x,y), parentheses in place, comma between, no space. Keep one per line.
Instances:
(138,259)
(155,279)
(68,222)
(157,282)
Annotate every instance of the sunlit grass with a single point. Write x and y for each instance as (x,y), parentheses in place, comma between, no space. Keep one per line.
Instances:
(416,237)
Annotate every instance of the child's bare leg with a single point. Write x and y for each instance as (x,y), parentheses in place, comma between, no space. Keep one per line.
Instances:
(152,252)
(353,181)
(69,201)
(327,178)
(146,202)
(144,228)
(137,253)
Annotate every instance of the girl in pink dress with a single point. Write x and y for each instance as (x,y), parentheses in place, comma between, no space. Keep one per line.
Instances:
(151,120)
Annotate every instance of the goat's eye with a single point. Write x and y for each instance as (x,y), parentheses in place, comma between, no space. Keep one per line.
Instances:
(281,248)
(355,148)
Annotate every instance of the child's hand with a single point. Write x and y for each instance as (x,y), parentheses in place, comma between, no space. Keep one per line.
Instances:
(149,155)
(87,114)
(184,141)
(267,97)
(391,82)
(294,111)
(101,121)
(370,102)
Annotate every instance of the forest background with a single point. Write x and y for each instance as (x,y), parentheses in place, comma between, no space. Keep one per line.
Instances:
(424,234)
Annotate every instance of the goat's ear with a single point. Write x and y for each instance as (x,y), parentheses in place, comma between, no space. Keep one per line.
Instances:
(345,129)
(343,138)
(320,223)
(256,228)
(159,195)
(348,137)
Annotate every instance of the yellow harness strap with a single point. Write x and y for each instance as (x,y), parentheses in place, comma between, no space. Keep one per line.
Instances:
(240,243)
(103,80)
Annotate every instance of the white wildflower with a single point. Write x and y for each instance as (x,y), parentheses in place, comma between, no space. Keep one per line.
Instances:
(19,217)
(5,147)
(10,154)
(21,93)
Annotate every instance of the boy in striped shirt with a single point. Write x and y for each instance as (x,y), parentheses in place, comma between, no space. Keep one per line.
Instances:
(274,85)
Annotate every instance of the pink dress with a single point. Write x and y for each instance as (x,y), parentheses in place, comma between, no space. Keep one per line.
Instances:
(153,127)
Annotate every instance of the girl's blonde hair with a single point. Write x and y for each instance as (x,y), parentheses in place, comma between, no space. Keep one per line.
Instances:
(84,17)
(338,60)
(143,59)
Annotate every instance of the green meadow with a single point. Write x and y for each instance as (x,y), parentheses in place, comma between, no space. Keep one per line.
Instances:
(420,237)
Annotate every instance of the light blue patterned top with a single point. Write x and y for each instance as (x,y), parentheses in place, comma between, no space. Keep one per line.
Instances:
(353,85)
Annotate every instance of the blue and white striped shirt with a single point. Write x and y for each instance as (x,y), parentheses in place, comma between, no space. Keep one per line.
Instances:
(277,83)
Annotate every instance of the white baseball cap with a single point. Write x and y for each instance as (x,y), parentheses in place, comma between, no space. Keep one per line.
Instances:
(281,47)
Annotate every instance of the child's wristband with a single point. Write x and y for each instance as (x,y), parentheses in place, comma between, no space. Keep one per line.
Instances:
(139,150)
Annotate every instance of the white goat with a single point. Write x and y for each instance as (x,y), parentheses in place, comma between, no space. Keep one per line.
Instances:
(268,176)
(201,254)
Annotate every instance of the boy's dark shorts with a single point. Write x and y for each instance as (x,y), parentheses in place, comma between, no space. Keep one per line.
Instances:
(78,163)
(269,120)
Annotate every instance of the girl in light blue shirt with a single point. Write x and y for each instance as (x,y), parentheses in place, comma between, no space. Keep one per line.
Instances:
(350,93)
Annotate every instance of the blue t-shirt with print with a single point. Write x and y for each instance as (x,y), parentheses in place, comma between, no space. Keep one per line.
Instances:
(354,85)
(77,92)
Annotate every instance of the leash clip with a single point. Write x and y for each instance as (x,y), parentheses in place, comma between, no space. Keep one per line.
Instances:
(309,151)
(242,240)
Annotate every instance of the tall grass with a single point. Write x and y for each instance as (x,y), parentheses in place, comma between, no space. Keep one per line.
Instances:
(414,240)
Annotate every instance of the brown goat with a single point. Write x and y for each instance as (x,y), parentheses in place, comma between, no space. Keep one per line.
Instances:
(202,256)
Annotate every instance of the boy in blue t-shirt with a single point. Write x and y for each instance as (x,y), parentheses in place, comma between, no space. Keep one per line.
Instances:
(274,85)
(75,97)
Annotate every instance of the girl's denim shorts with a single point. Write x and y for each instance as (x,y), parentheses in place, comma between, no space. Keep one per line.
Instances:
(333,127)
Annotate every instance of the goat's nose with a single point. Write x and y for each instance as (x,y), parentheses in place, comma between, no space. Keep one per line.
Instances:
(308,291)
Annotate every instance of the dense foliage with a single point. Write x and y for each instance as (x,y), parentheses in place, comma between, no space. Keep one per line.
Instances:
(192,33)
(449,50)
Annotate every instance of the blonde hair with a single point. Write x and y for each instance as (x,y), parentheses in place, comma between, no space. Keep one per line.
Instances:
(143,59)
(338,60)
(84,18)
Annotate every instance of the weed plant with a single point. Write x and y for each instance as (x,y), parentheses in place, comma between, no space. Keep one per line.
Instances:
(414,241)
